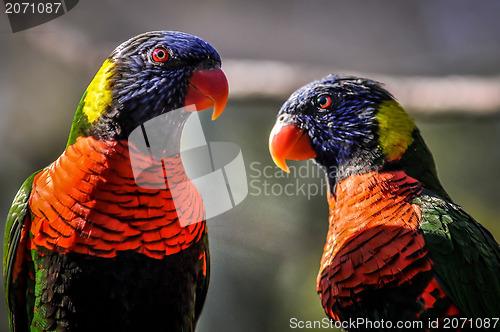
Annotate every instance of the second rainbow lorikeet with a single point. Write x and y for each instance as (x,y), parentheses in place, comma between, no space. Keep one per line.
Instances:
(87,247)
(398,248)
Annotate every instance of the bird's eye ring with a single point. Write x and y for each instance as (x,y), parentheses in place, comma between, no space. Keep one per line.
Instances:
(324,101)
(160,54)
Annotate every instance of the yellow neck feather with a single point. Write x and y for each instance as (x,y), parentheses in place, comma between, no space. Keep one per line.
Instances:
(99,94)
(395,130)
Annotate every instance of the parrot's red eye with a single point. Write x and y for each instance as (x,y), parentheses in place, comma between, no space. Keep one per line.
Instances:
(160,54)
(324,101)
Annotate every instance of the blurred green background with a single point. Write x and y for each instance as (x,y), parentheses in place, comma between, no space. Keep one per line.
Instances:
(440,58)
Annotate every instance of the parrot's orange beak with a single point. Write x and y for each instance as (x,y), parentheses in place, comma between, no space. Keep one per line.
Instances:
(208,88)
(288,141)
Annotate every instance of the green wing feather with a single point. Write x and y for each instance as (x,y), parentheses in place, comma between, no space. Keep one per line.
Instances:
(14,251)
(80,122)
(466,256)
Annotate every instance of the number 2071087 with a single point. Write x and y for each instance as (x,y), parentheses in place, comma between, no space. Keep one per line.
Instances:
(33,8)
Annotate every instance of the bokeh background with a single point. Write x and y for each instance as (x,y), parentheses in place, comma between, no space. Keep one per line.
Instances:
(440,58)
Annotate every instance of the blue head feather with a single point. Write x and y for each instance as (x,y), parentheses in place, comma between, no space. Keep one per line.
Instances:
(144,88)
(344,134)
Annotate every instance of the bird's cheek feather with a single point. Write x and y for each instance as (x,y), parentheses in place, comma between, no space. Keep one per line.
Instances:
(288,141)
(208,88)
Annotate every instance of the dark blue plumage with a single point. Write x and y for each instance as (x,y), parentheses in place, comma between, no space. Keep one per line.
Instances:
(343,133)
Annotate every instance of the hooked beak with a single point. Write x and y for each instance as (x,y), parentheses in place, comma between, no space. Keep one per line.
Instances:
(288,141)
(208,88)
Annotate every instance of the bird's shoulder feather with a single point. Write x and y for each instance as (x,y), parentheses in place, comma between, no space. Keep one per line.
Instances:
(465,255)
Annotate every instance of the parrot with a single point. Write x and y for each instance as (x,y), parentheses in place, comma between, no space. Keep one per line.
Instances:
(398,248)
(90,246)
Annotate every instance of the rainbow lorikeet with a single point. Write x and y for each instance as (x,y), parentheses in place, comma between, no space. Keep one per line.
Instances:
(87,247)
(398,248)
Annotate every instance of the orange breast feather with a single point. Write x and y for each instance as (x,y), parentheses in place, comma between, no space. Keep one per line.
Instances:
(372,239)
(88,202)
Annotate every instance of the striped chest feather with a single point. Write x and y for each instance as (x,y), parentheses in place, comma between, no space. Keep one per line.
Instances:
(89,202)
(373,242)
